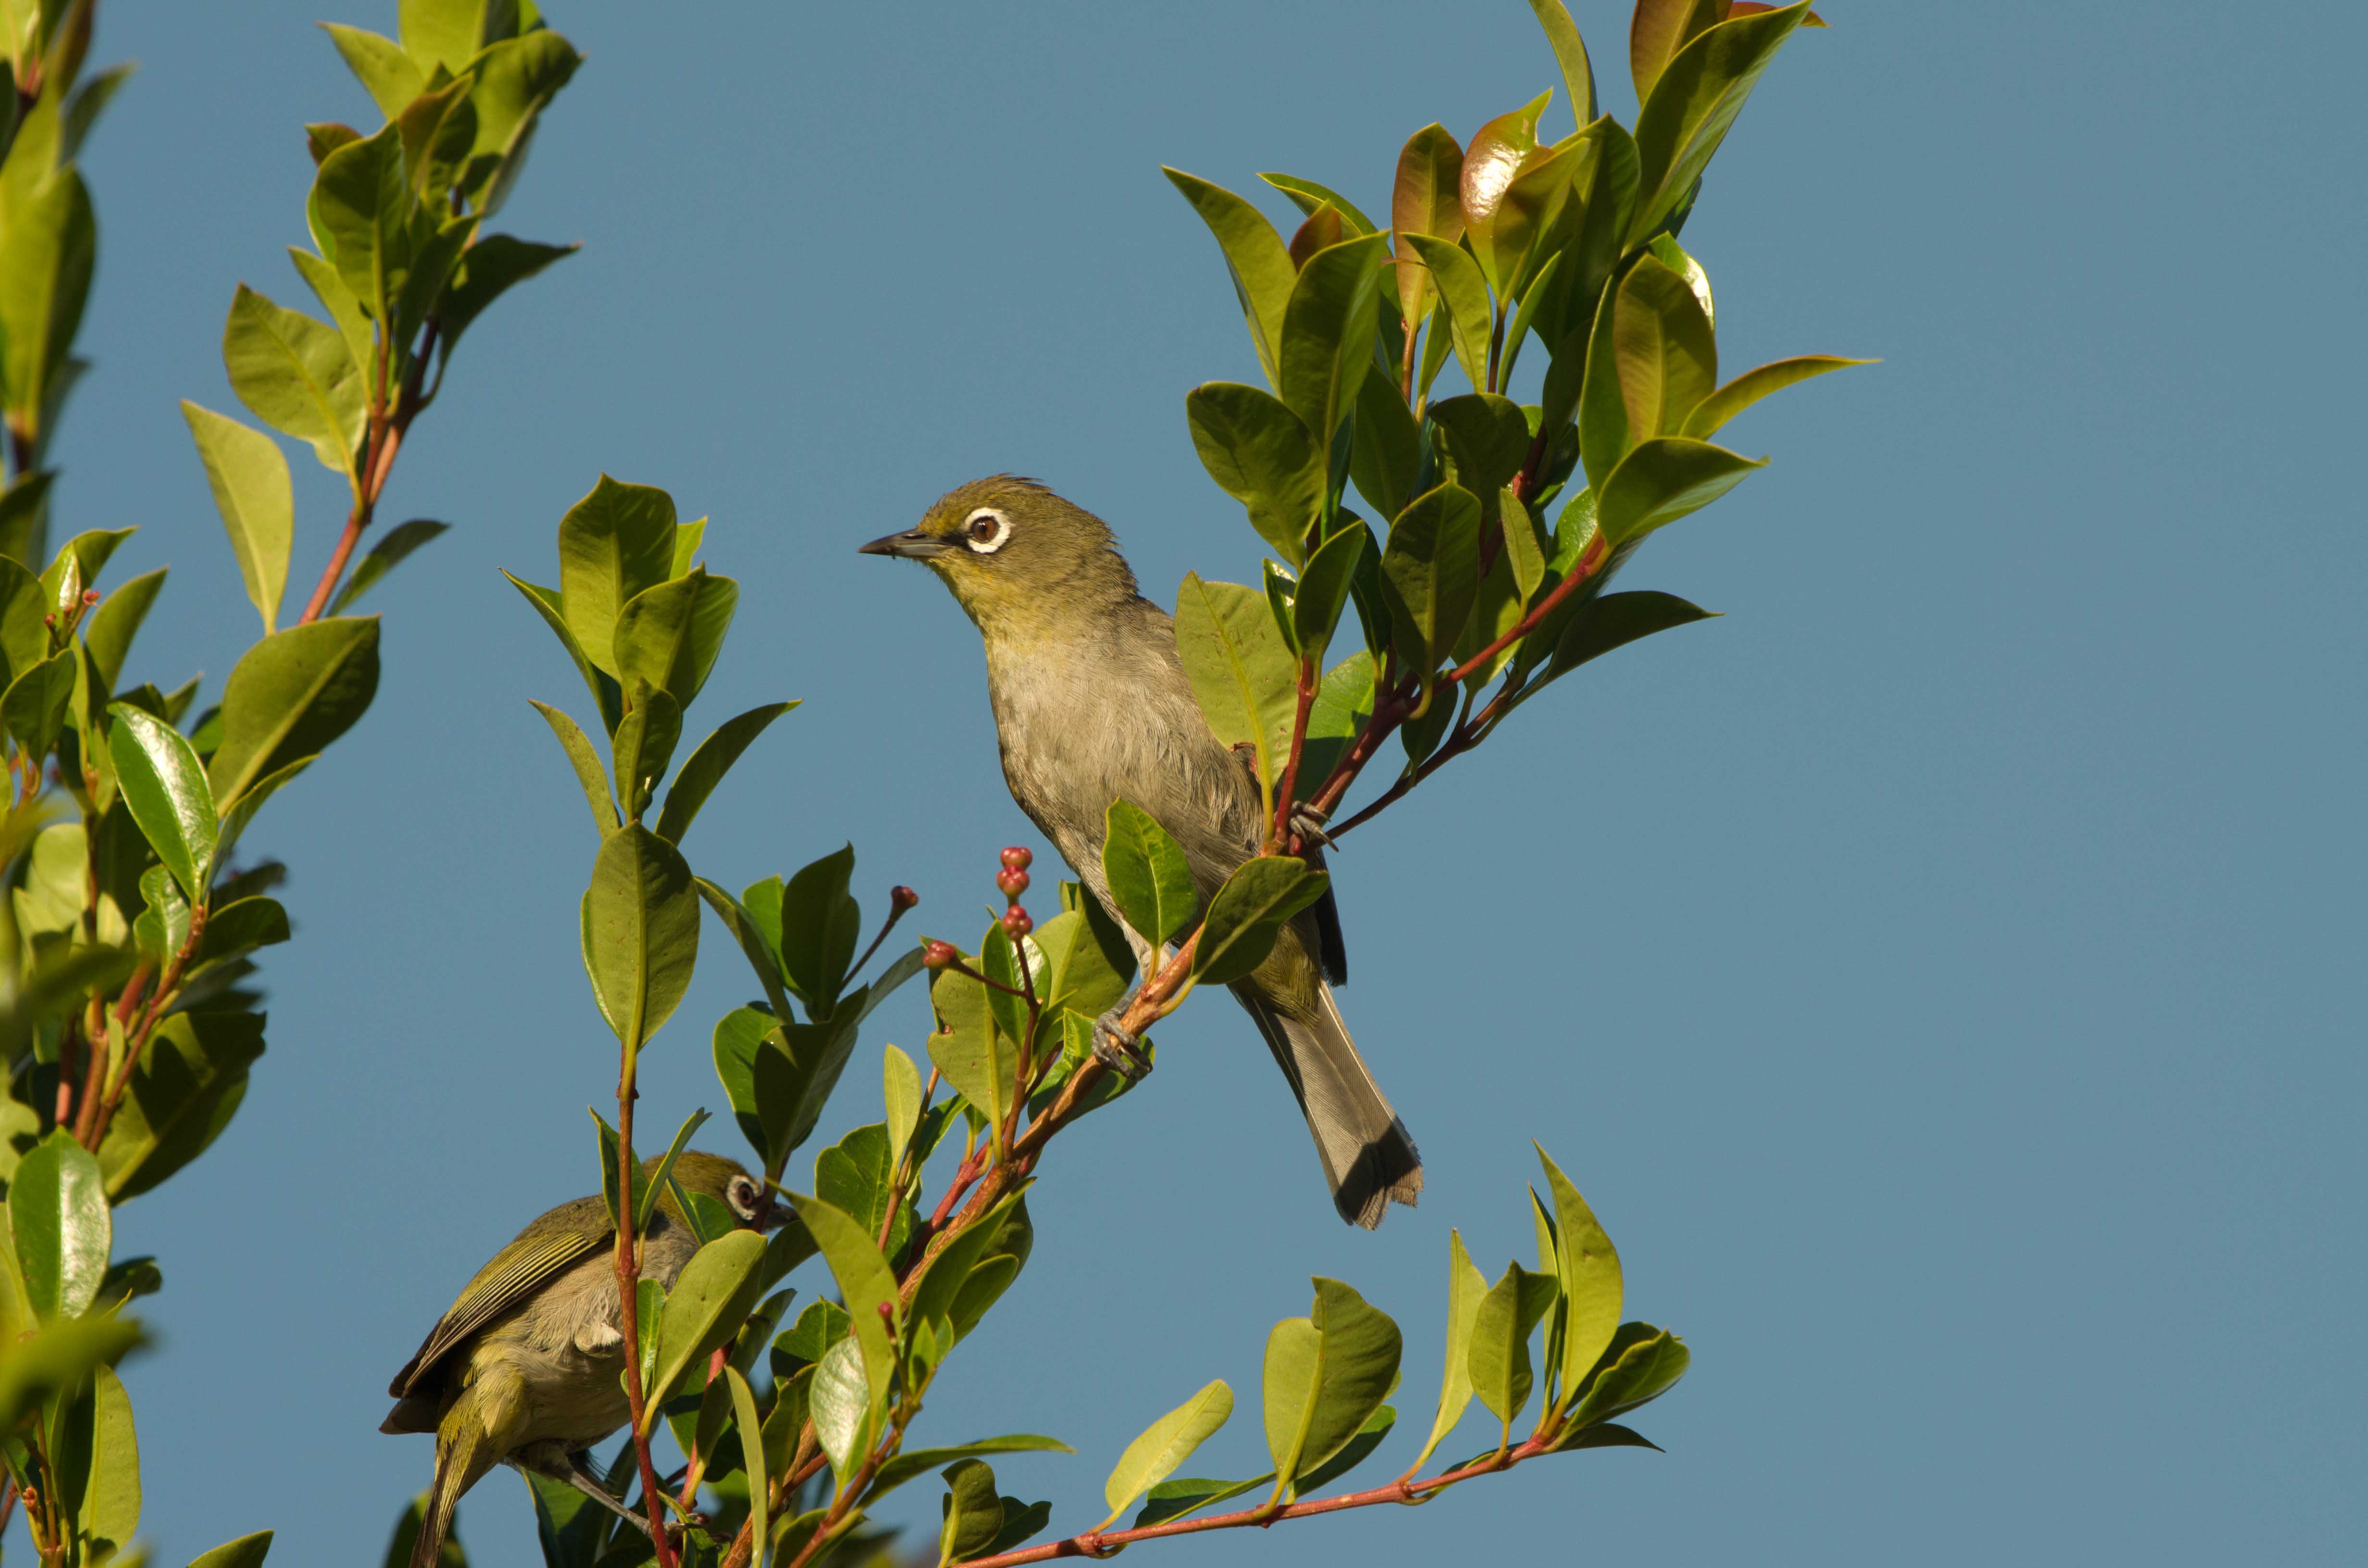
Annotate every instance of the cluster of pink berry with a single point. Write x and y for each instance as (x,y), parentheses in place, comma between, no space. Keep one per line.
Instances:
(1013,880)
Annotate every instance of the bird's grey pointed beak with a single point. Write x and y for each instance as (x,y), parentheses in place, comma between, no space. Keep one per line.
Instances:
(912,544)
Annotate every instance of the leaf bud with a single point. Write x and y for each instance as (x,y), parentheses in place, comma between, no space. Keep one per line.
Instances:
(937,955)
(901,899)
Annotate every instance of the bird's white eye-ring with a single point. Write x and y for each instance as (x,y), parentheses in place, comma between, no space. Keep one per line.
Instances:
(985,529)
(743,1196)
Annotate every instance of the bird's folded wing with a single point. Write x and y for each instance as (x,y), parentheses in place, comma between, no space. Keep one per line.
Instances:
(515,1273)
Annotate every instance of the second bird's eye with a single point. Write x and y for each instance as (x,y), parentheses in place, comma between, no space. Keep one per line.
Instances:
(985,529)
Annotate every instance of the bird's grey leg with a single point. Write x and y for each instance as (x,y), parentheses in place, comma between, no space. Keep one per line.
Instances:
(1116,1049)
(575,1469)
(1309,823)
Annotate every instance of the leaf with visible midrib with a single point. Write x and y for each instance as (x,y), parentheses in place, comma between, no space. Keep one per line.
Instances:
(289,696)
(641,931)
(1149,879)
(63,1227)
(1243,677)
(1167,1442)
(1249,912)
(251,492)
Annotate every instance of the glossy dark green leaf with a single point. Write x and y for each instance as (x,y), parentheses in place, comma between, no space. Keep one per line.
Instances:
(1748,388)
(1565,311)
(589,773)
(1386,457)
(1666,479)
(361,213)
(1242,673)
(1425,198)
(164,789)
(1616,619)
(57,1359)
(1326,1374)
(51,244)
(1430,566)
(1487,437)
(761,950)
(1640,1364)
(820,927)
(242,811)
(241,925)
(1327,332)
(297,376)
(95,1456)
(289,696)
(643,745)
(602,686)
(63,1227)
(615,543)
(1662,345)
(1149,879)
(389,74)
(1525,550)
(438,129)
(971,1512)
(1358,1449)
(251,489)
(1570,53)
(34,706)
(185,1090)
(112,626)
(669,634)
(708,765)
(1174,1499)
(1261,454)
(1249,912)
(739,1034)
(1324,589)
(1694,101)
(164,925)
(517,78)
(1604,433)
(488,269)
(709,1300)
(640,932)
(24,509)
(1463,291)
(1256,258)
(856,1172)
(384,556)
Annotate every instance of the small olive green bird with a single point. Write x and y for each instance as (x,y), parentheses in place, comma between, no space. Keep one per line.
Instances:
(526,1369)
(1091,705)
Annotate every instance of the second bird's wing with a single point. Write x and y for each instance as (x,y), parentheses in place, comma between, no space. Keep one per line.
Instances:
(514,1275)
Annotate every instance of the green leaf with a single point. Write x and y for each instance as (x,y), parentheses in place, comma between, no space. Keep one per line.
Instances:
(164,789)
(642,745)
(1531,223)
(380,64)
(384,557)
(517,78)
(1487,438)
(739,1036)
(900,1090)
(1615,621)
(1249,914)
(1748,388)
(1377,1426)
(1491,163)
(289,696)
(710,1299)
(1309,196)
(1501,1326)
(1324,591)
(1589,1270)
(1165,1444)
(1256,258)
(820,925)
(1174,1499)
(1640,1364)
(1149,879)
(246,1551)
(708,764)
(604,688)
(970,1510)
(1570,53)
(241,925)
(1327,332)
(971,1053)
(669,634)
(164,925)
(1466,1287)
(1424,200)
(48,245)
(647,1201)
(1525,552)
(1663,480)
(249,478)
(56,1359)
(34,706)
(615,543)
(914,1462)
(866,1284)
(754,945)
(89,102)
(112,626)
(856,1174)
(1463,291)
(449,32)
(353,323)
(1661,342)
(1243,677)
(297,376)
(1385,458)
(1324,1375)
(241,811)
(1659,30)
(839,1396)
(184,1091)
(752,1456)
(361,213)
(100,1463)
(1431,569)
(63,1227)
(1261,454)
(487,271)
(640,932)
(1692,102)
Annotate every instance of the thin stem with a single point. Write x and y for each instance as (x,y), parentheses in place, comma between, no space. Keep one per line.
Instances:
(1405,366)
(1279,836)
(629,1276)
(388,425)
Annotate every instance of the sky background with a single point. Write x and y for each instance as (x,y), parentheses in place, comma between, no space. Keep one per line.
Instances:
(1942,973)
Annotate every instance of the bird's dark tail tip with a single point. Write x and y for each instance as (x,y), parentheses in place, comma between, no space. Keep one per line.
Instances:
(1388,1170)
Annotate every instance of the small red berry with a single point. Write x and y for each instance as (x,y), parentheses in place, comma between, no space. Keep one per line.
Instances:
(901,899)
(1015,923)
(937,955)
(89,598)
(1013,883)
(1018,859)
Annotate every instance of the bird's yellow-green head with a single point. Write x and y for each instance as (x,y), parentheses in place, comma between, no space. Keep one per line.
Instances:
(1018,558)
(712,1175)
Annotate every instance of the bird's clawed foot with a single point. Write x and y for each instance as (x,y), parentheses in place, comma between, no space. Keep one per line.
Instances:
(1308,823)
(1117,1049)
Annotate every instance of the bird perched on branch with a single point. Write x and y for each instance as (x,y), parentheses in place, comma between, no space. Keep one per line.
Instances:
(1092,705)
(526,1369)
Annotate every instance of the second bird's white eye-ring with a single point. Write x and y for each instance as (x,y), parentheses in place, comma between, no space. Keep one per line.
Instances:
(985,529)
(744,1197)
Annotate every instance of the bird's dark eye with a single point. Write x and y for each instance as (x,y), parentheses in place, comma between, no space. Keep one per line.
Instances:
(985,530)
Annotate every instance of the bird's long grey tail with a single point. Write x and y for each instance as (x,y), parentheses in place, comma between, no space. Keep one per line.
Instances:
(1368,1158)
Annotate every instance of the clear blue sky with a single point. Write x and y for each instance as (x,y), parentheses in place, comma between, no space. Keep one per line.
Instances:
(1942,973)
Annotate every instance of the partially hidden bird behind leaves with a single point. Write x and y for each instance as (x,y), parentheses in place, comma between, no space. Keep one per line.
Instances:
(524,1369)
(1092,705)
